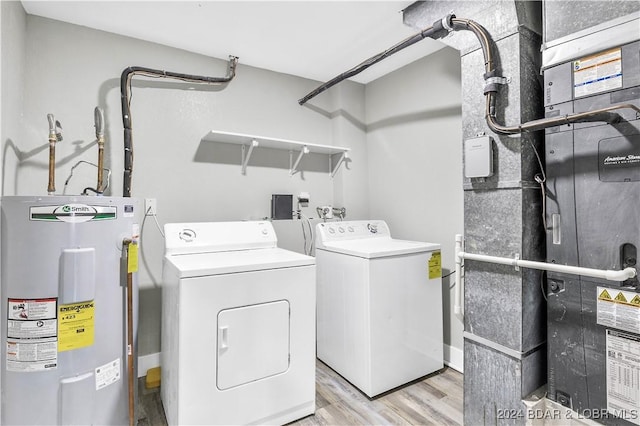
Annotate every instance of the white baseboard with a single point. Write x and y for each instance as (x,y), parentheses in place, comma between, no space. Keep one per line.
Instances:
(145,362)
(454,358)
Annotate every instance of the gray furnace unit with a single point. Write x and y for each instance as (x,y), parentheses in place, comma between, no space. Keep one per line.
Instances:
(593,221)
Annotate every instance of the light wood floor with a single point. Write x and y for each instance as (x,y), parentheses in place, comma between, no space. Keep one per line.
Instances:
(433,400)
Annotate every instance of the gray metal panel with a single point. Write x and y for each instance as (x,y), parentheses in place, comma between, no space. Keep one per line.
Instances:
(631,65)
(491,227)
(495,384)
(557,111)
(562,18)
(558,84)
(499,17)
(607,212)
(566,368)
(498,298)
(560,199)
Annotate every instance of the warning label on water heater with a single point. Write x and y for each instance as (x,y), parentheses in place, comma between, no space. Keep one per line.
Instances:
(619,309)
(32,334)
(623,375)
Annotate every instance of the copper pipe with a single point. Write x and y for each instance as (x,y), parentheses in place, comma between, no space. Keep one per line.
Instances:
(126,243)
(99,123)
(51,187)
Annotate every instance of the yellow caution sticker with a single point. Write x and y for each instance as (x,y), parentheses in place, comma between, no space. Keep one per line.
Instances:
(604,295)
(132,263)
(635,300)
(435,265)
(620,298)
(76,325)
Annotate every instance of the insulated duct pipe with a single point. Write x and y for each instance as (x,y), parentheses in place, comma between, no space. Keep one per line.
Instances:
(492,78)
(99,124)
(610,275)
(125,97)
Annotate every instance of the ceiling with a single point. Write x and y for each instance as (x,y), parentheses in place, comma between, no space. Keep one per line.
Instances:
(311,39)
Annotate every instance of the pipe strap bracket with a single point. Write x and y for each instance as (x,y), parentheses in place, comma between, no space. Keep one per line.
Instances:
(493,82)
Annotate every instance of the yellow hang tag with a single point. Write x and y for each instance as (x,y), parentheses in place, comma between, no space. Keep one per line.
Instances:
(132,263)
(435,265)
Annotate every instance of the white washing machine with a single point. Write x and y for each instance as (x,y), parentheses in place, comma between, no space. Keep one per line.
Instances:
(379,305)
(238,326)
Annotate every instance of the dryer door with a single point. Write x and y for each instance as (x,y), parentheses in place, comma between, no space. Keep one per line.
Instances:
(253,343)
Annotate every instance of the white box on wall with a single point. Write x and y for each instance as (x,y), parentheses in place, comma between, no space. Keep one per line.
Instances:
(478,157)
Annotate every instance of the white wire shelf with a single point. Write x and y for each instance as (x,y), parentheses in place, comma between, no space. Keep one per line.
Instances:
(249,142)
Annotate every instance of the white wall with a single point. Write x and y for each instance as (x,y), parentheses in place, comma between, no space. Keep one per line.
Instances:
(11,89)
(71,69)
(415,163)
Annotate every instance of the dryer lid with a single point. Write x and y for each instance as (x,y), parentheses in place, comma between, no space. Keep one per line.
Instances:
(231,262)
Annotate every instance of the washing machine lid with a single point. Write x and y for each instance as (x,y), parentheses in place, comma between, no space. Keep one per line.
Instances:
(378,247)
(231,262)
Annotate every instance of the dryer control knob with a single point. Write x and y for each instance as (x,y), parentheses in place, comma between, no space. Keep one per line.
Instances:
(332,231)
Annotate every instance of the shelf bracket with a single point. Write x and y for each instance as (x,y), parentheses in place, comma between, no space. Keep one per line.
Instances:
(343,157)
(246,155)
(293,169)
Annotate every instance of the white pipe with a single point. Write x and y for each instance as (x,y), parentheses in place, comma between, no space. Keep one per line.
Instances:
(458,307)
(458,304)
(618,275)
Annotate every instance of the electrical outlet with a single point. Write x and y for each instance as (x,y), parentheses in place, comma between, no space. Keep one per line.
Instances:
(150,207)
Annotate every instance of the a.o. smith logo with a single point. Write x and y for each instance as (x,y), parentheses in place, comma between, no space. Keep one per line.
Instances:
(72,213)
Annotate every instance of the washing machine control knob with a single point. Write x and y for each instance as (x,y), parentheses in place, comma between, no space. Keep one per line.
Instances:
(350,229)
(187,235)
(265,231)
(332,231)
(341,229)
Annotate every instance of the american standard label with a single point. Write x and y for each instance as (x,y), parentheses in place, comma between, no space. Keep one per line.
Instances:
(621,160)
(72,213)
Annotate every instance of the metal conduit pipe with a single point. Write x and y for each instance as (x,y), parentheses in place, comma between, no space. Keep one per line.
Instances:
(125,98)
(492,77)
(606,274)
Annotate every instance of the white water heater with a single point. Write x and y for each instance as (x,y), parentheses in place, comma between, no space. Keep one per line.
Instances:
(63,309)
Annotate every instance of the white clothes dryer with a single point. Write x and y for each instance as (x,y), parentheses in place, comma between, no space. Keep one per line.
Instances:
(379,321)
(238,326)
